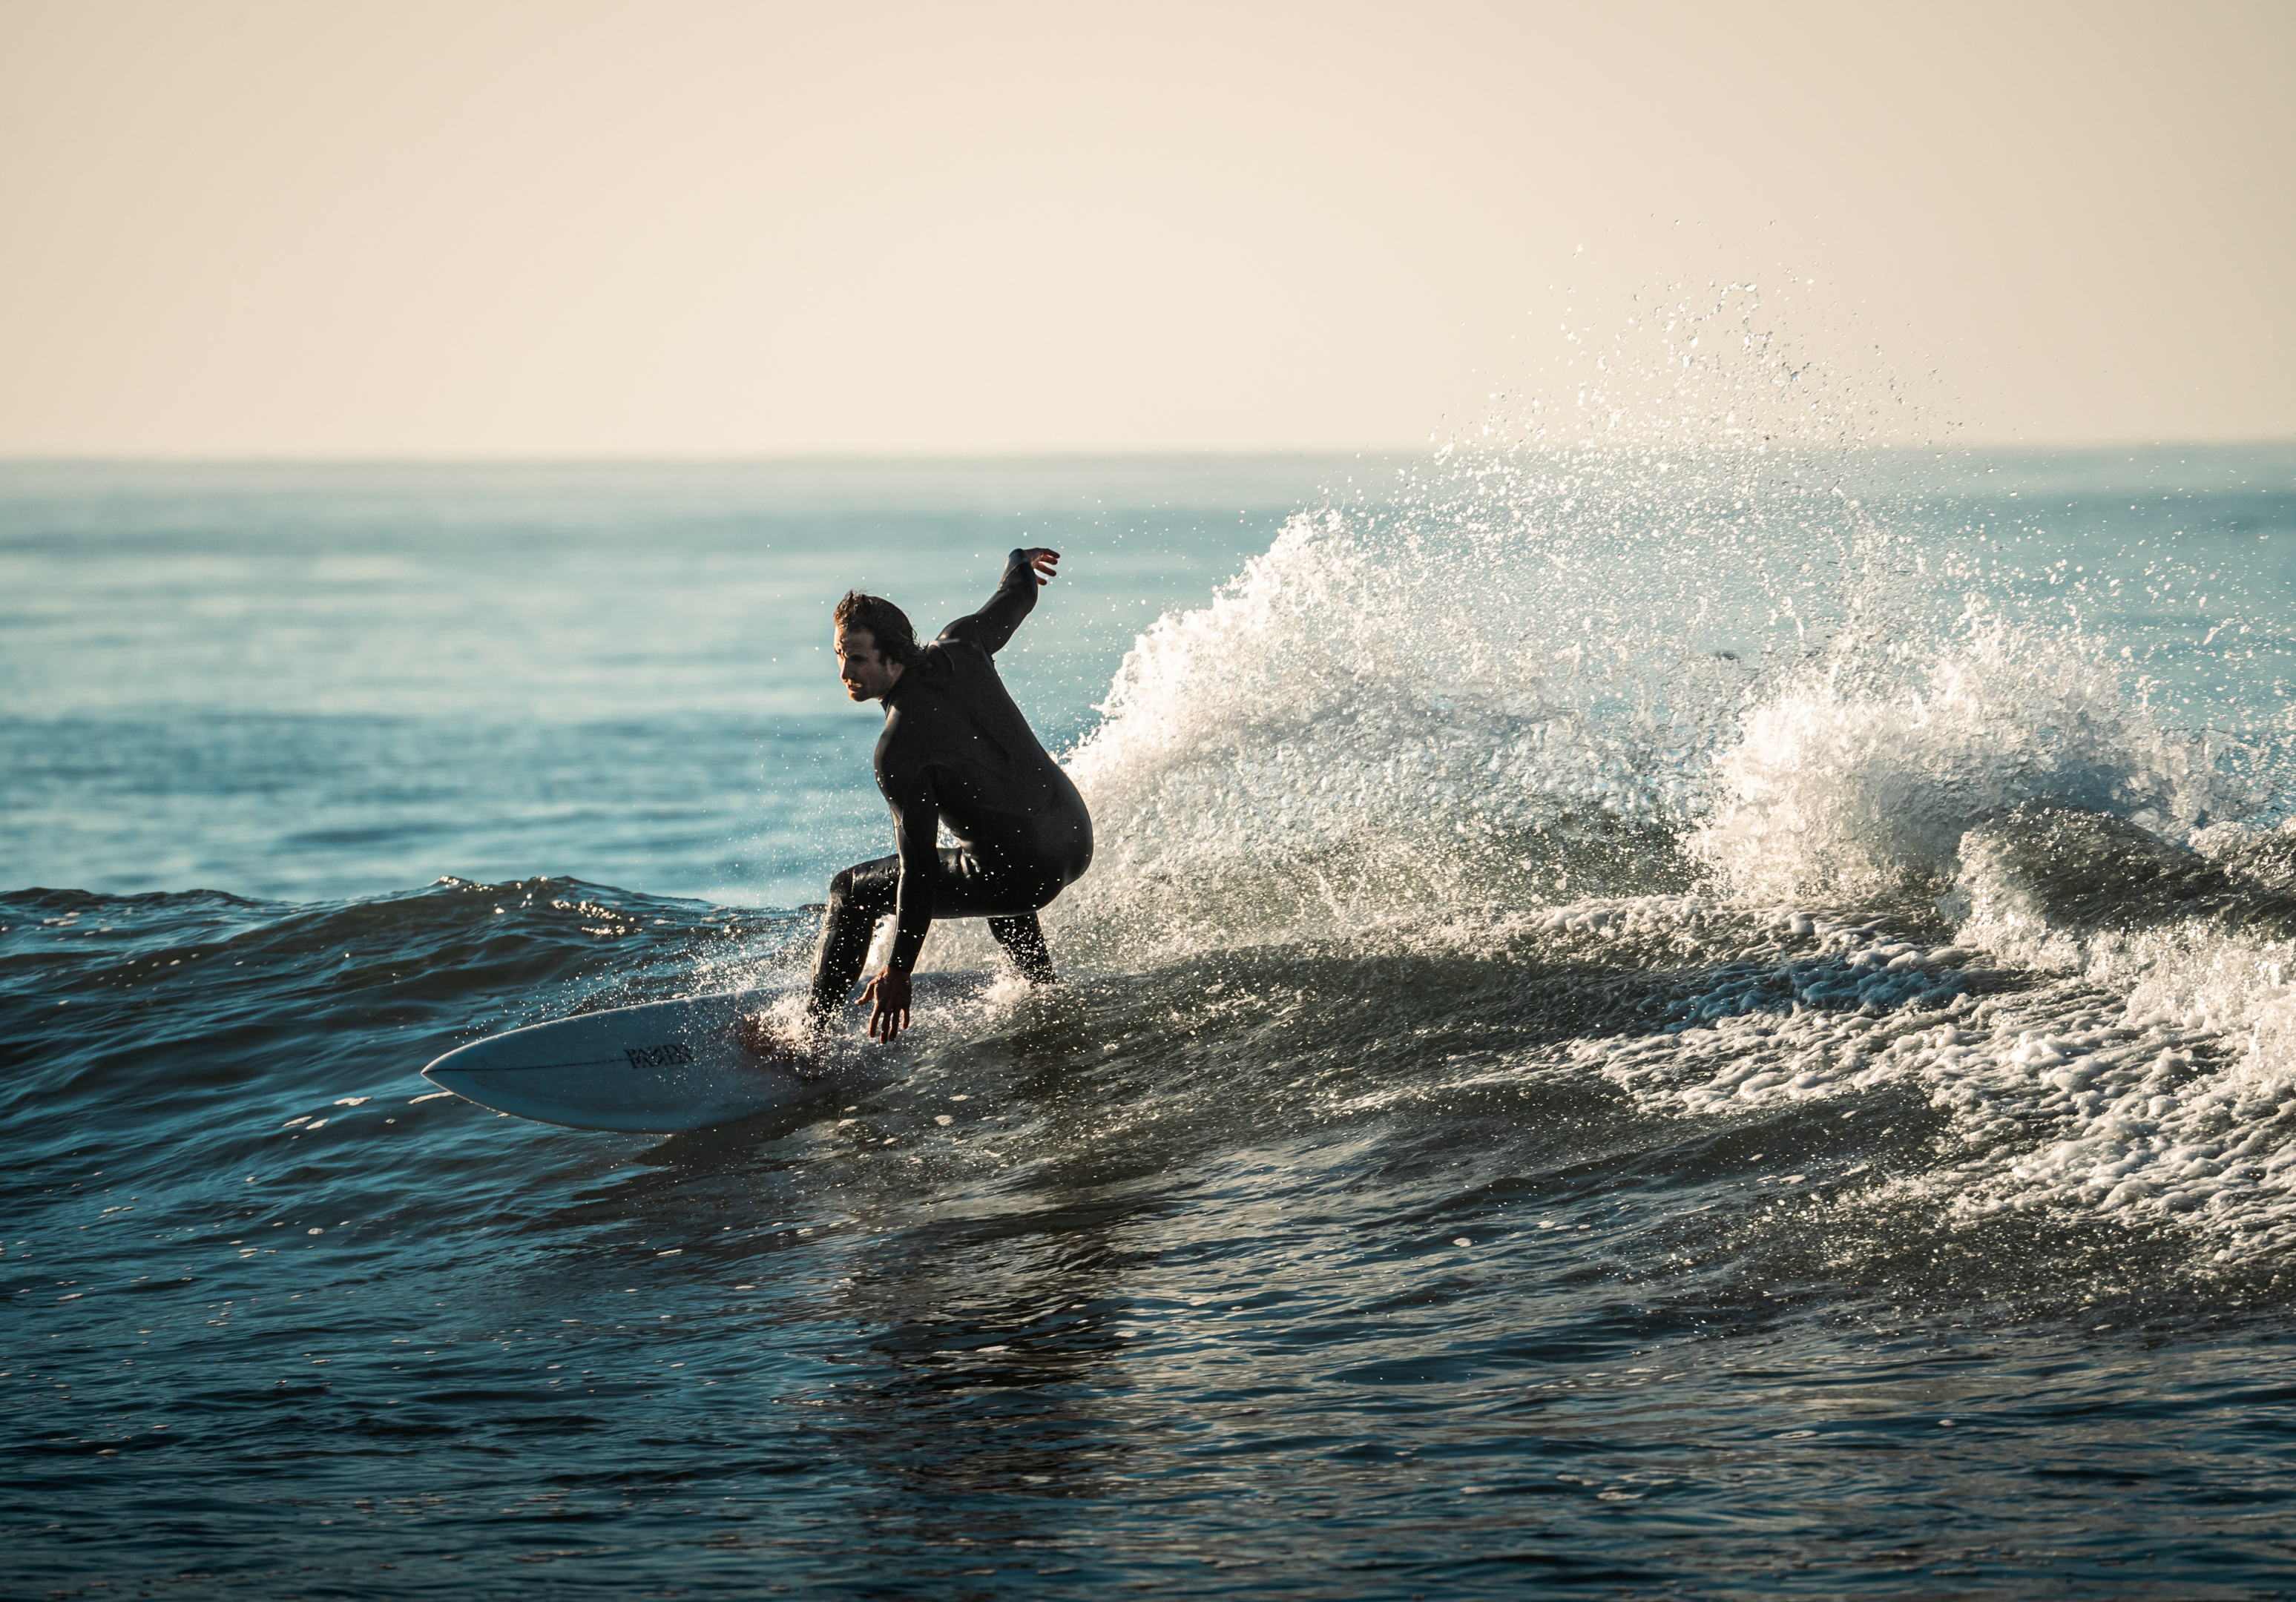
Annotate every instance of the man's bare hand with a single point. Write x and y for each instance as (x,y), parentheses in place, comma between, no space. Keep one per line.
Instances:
(886,997)
(1043,561)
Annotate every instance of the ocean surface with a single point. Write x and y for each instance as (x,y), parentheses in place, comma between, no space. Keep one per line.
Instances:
(1660,1013)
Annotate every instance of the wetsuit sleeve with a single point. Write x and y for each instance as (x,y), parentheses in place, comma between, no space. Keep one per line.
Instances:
(993,625)
(916,837)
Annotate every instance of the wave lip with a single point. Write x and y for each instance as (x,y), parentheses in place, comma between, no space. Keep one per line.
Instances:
(2045,867)
(1863,773)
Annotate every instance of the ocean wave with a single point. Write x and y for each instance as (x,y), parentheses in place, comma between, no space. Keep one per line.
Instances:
(1486,728)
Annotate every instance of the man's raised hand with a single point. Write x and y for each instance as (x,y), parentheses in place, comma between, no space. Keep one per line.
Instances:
(1043,561)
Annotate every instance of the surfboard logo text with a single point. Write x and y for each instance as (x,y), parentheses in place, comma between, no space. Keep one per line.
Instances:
(659,1057)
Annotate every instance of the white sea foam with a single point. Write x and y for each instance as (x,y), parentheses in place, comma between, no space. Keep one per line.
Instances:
(2148,1072)
(1336,736)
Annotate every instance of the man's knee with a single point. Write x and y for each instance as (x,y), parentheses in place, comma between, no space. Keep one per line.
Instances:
(865,890)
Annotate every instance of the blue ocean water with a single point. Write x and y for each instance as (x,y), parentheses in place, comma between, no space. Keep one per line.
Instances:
(1657,1013)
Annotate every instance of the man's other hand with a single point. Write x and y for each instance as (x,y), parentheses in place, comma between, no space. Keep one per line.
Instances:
(886,997)
(1043,561)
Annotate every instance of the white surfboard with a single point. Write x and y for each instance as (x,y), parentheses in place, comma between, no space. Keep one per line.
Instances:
(654,1069)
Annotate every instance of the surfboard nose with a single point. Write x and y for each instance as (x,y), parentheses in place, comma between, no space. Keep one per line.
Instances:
(658,1068)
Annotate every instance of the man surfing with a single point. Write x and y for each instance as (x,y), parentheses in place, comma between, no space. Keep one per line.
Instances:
(955,754)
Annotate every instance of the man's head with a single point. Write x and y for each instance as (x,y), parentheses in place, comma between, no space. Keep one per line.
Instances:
(875,644)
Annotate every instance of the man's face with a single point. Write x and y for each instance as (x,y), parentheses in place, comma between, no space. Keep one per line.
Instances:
(866,675)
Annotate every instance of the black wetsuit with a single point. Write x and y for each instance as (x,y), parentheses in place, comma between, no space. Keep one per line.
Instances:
(957,751)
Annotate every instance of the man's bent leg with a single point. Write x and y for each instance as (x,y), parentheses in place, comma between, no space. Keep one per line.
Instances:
(866,891)
(1024,940)
(857,898)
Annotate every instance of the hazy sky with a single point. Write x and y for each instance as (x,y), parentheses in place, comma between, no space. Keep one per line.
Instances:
(297,227)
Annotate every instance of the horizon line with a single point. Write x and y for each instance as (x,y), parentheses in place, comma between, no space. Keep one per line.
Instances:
(1426,451)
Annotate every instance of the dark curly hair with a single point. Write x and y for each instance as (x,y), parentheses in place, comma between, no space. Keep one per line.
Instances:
(882,622)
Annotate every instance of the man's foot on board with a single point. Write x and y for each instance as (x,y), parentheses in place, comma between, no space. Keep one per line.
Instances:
(763,1038)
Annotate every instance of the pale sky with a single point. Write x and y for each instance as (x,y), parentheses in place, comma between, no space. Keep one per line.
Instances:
(295,228)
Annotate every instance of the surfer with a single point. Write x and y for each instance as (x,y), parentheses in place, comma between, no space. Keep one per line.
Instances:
(955,754)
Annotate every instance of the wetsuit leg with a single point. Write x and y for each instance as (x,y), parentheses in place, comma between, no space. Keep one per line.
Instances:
(1024,940)
(968,889)
(857,898)
(866,891)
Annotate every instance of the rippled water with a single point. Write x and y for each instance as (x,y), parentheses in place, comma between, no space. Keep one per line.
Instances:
(1662,1018)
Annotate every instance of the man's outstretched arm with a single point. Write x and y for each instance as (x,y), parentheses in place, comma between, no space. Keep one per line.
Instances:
(1015,598)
